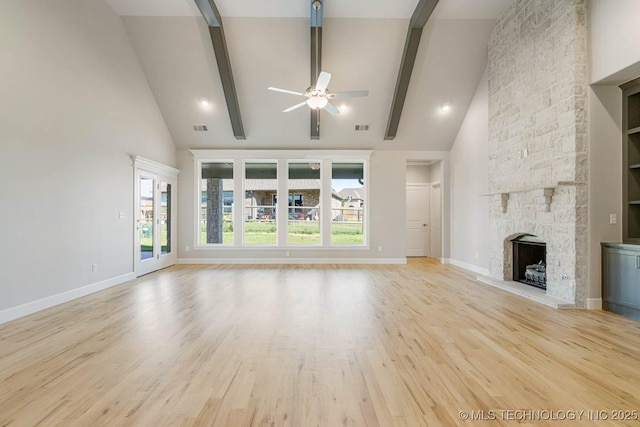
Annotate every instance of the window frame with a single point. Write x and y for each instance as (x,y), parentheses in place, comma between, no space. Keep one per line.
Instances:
(282,158)
(198,243)
(243,178)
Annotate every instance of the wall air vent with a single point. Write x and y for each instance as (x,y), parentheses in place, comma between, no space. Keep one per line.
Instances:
(200,128)
(362,127)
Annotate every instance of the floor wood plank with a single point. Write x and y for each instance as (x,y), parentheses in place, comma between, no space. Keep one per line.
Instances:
(403,345)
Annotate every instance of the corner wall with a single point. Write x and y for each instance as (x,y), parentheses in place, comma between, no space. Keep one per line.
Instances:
(74,106)
(614,34)
(469,169)
(614,59)
(605,178)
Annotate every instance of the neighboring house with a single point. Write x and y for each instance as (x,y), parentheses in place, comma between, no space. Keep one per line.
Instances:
(353,197)
(352,204)
(261,198)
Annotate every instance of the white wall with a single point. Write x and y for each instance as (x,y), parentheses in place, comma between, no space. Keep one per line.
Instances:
(614,35)
(418,173)
(615,59)
(387,176)
(469,168)
(605,176)
(74,105)
(435,172)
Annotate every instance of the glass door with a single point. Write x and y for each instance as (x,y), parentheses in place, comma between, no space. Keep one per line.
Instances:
(154,231)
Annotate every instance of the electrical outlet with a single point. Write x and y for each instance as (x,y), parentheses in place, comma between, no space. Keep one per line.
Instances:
(287,253)
(121,215)
(379,248)
(525,153)
(186,249)
(613,219)
(94,268)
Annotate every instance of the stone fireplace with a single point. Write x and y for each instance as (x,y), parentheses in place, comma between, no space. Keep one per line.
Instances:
(538,165)
(562,228)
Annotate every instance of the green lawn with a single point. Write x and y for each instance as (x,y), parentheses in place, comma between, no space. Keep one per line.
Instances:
(300,233)
(146,240)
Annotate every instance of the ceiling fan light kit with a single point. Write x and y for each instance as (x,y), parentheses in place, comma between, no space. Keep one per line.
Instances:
(318,97)
(317,102)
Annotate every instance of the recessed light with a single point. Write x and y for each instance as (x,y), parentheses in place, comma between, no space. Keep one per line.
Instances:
(445,108)
(205,104)
(343,108)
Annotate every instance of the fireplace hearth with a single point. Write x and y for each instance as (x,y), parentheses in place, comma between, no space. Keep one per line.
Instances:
(529,261)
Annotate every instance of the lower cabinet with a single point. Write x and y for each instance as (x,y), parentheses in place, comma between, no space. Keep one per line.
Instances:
(621,279)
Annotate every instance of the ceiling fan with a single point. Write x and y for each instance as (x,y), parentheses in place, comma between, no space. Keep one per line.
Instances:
(318,97)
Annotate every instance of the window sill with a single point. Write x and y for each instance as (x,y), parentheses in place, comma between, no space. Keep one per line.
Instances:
(279,248)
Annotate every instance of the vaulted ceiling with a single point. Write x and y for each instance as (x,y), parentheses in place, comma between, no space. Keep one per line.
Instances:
(269,45)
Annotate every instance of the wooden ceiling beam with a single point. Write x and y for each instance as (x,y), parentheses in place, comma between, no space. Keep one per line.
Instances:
(316,61)
(420,16)
(214,21)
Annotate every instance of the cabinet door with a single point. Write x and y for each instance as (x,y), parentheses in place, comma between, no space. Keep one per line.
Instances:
(622,278)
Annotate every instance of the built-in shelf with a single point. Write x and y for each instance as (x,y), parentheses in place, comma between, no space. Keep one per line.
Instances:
(631,161)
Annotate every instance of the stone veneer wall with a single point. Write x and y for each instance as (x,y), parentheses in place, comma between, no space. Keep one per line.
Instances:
(538,102)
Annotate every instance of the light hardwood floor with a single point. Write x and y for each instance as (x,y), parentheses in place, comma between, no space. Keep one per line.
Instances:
(314,346)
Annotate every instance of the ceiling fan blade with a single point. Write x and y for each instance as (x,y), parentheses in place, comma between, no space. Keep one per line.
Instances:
(350,94)
(323,81)
(294,107)
(275,89)
(331,109)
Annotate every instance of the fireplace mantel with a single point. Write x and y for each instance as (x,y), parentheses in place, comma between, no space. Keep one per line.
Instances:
(548,191)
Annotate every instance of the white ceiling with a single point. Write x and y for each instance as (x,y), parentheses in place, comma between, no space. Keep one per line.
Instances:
(447,9)
(362,48)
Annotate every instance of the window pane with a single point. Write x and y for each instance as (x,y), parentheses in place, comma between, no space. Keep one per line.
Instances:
(347,203)
(260,185)
(145,223)
(216,205)
(304,203)
(165,218)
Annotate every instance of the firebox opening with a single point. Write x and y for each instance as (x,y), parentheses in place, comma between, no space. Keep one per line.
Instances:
(530,261)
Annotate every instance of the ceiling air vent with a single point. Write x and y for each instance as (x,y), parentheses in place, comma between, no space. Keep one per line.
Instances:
(200,128)
(362,127)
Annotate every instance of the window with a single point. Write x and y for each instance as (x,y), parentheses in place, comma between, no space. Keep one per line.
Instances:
(325,199)
(294,199)
(261,182)
(303,226)
(347,205)
(165,220)
(147,198)
(216,203)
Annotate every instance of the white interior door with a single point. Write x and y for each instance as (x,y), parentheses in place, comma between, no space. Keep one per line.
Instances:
(435,215)
(417,220)
(155,219)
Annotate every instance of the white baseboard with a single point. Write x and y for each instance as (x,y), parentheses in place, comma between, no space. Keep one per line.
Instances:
(48,302)
(218,261)
(445,261)
(594,303)
(470,267)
